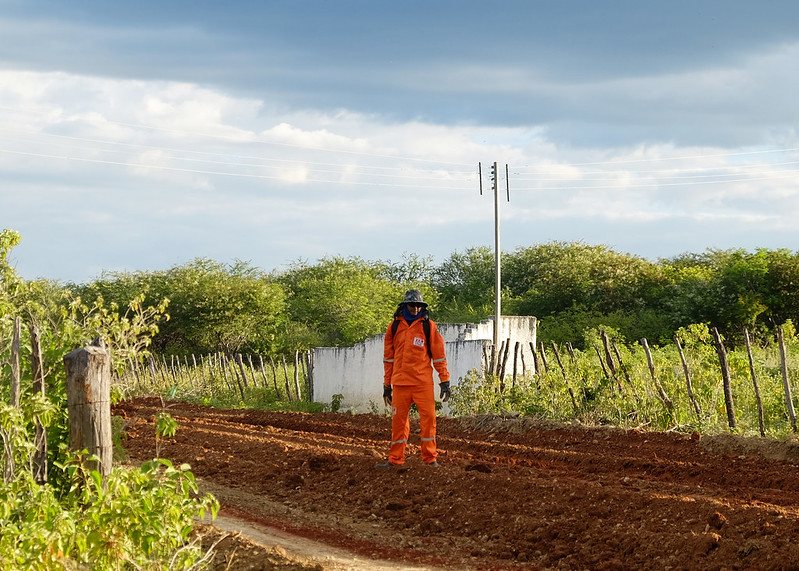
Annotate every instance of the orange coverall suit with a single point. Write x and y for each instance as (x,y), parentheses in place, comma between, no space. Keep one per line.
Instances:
(409,370)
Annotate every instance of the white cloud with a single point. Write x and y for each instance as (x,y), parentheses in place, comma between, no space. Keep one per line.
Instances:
(194,171)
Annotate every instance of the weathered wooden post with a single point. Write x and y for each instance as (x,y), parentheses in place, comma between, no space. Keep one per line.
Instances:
(609,358)
(760,416)
(625,372)
(310,375)
(543,354)
(661,391)
(565,379)
(286,377)
(263,371)
(599,357)
(89,403)
(297,374)
(725,377)
(240,363)
(274,376)
(16,348)
(688,385)
(505,349)
(37,371)
(785,381)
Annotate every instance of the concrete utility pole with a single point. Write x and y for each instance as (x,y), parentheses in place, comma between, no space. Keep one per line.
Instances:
(497,260)
(497,267)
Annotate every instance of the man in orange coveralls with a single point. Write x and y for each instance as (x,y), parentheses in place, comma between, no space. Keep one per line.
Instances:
(408,362)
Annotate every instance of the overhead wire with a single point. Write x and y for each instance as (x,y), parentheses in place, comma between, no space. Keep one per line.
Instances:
(205,157)
(362,174)
(259,141)
(208,172)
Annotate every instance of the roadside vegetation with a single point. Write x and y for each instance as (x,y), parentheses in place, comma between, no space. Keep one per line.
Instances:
(587,299)
(135,518)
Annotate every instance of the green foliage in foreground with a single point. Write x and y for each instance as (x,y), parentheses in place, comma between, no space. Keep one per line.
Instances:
(135,518)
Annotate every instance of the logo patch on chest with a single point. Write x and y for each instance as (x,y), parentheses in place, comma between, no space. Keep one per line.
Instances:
(418,341)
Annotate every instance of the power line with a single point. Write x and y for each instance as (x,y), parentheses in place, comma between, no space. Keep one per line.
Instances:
(682,158)
(354,174)
(221,173)
(254,140)
(633,185)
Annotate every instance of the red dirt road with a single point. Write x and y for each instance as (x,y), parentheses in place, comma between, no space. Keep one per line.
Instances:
(510,493)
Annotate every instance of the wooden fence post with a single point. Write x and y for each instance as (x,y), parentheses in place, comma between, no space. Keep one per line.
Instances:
(274,377)
(40,454)
(252,370)
(726,380)
(286,377)
(536,367)
(135,369)
(543,354)
(623,369)
(219,358)
(602,364)
(504,349)
(785,384)
(565,379)
(651,363)
(16,349)
(309,380)
(89,404)
(234,373)
(688,385)
(165,369)
(760,417)
(297,374)
(609,358)
(263,372)
(240,363)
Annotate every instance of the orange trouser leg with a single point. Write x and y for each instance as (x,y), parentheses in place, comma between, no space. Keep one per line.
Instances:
(401,400)
(425,400)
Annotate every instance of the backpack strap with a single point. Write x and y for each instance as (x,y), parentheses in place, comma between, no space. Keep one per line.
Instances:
(426,327)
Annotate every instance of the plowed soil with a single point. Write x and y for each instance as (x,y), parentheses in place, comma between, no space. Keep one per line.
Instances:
(509,493)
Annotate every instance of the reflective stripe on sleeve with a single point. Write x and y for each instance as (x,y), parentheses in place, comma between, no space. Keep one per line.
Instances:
(388,360)
(439,360)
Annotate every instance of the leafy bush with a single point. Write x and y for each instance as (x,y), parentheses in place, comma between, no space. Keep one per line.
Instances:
(134,519)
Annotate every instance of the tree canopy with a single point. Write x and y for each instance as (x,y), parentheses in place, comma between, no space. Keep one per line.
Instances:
(570,287)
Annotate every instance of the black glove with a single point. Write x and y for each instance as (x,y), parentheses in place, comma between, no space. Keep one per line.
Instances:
(387,394)
(445,392)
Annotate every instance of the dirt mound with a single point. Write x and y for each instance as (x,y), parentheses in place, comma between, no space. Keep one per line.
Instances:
(510,492)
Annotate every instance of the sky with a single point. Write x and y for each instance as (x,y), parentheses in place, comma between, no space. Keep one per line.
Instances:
(139,136)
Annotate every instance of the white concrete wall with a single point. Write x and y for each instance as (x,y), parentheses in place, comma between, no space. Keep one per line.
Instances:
(356,372)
